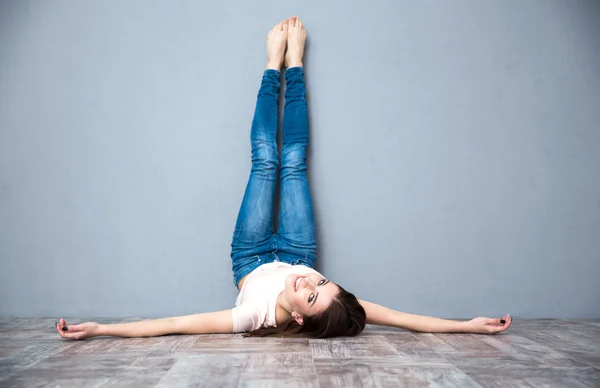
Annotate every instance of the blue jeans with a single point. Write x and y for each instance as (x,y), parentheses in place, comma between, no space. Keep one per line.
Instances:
(254,240)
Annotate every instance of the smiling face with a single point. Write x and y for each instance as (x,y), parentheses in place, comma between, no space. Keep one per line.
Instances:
(308,294)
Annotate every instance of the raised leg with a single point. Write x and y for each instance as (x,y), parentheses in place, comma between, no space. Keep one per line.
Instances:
(255,218)
(254,225)
(296,219)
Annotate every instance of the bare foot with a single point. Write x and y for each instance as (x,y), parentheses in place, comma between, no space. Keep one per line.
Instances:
(276,41)
(295,41)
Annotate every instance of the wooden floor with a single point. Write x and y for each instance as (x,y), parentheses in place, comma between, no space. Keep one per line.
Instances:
(532,353)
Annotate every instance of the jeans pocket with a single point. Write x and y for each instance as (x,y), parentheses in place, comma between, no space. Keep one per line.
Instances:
(241,263)
(306,260)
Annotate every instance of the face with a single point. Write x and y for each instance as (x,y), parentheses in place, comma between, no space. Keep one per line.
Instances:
(308,294)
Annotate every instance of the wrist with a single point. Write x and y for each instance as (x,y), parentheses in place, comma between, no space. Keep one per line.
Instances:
(449,326)
(465,327)
(101,329)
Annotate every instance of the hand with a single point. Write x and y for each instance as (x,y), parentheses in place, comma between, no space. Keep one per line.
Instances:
(78,332)
(485,325)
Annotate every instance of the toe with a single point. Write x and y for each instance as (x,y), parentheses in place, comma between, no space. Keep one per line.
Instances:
(293,20)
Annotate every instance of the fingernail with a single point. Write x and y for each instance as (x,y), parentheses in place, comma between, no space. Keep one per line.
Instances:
(502,321)
(65,328)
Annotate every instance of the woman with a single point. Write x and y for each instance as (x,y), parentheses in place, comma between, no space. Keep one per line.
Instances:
(280,292)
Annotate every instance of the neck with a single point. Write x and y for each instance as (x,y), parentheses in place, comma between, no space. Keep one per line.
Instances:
(282,314)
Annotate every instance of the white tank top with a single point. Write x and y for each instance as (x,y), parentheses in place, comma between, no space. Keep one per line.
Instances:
(256,303)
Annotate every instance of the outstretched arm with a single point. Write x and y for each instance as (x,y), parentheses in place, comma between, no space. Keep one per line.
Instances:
(217,322)
(383,316)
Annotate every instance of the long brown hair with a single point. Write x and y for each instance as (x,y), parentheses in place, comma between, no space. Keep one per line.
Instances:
(344,317)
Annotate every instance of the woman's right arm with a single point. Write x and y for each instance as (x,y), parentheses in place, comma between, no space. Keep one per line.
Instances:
(206,323)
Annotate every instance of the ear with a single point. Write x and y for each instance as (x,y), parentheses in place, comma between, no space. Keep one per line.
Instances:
(298,318)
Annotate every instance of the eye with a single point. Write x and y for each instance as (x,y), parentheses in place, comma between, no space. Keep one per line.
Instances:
(311,297)
(322,282)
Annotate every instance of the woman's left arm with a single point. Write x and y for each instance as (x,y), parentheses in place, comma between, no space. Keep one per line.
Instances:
(383,316)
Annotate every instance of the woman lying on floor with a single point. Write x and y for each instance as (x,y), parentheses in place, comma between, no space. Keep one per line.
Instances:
(280,292)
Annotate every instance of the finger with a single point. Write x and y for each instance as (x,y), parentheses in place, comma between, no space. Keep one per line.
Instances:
(508,322)
(505,321)
(75,328)
(66,334)
(62,325)
(498,321)
(498,329)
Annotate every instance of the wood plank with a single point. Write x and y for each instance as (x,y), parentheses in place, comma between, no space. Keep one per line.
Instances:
(360,347)
(536,353)
(204,370)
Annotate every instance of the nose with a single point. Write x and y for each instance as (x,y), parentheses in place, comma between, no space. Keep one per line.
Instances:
(306,282)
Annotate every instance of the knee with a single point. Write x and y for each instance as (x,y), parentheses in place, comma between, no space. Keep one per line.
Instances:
(293,157)
(264,155)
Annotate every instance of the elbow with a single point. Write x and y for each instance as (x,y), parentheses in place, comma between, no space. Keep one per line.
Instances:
(178,325)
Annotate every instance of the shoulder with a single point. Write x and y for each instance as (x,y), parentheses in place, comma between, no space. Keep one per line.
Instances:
(247,317)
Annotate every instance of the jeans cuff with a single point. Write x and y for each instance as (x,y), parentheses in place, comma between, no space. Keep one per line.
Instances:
(294,70)
(272,72)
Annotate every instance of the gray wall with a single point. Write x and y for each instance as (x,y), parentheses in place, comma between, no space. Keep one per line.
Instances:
(454,162)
